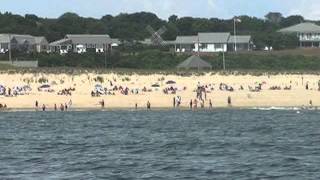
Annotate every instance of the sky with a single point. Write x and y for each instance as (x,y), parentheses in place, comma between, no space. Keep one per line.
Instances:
(164,8)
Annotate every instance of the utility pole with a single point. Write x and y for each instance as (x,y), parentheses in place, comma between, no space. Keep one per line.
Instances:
(235,34)
(198,46)
(105,56)
(223,61)
(9,48)
(235,20)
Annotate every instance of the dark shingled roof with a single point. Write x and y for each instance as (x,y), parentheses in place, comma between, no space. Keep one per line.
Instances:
(194,62)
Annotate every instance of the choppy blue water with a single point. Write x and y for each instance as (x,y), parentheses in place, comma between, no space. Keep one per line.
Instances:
(221,144)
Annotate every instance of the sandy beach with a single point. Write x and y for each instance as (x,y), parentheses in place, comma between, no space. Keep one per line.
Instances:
(124,91)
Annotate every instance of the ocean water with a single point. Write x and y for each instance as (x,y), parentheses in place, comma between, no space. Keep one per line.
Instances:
(219,144)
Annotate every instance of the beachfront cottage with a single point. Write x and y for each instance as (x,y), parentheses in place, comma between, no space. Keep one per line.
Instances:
(81,43)
(23,43)
(243,43)
(42,45)
(308,34)
(186,43)
(212,42)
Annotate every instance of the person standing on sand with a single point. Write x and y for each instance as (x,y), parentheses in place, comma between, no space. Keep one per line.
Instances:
(210,104)
(136,106)
(70,103)
(195,104)
(174,102)
(65,106)
(229,101)
(37,104)
(102,103)
(148,105)
(61,107)
(202,104)
(55,107)
(43,107)
(191,104)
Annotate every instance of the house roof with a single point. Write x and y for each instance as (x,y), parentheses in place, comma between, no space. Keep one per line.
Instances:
(60,42)
(194,62)
(22,38)
(40,40)
(186,39)
(89,38)
(213,37)
(240,39)
(306,27)
(4,38)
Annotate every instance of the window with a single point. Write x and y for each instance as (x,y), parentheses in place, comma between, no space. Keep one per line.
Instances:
(218,46)
(204,46)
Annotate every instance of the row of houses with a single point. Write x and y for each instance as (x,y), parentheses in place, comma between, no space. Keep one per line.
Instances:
(205,42)
(71,43)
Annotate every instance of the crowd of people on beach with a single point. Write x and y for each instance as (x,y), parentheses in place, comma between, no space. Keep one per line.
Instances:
(114,87)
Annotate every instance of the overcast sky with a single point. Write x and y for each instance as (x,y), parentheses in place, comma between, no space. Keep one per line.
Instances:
(164,8)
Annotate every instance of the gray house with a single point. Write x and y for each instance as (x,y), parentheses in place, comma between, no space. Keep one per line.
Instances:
(81,43)
(185,43)
(24,43)
(308,34)
(211,42)
(243,43)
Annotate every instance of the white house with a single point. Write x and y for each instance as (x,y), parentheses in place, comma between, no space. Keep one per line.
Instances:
(308,34)
(81,43)
(211,42)
(23,43)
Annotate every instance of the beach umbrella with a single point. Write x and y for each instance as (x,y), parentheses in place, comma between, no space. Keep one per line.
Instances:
(171,82)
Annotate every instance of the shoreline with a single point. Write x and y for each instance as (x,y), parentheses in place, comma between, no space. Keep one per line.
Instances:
(112,109)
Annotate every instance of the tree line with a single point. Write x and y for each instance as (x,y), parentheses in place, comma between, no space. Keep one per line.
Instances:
(131,27)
